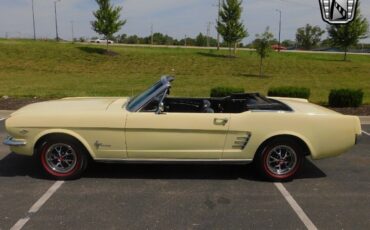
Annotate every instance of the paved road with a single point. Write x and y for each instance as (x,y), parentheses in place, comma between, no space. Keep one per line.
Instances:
(214,48)
(333,193)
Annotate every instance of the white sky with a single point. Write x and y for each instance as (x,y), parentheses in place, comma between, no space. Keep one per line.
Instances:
(173,17)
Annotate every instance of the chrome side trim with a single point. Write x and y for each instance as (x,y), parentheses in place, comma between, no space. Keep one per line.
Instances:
(270,111)
(10,141)
(175,161)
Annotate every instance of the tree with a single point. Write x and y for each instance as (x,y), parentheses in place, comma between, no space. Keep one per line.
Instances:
(347,35)
(107,20)
(263,46)
(230,26)
(325,43)
(309,36)
(201,40)
(162,39)
(288,43)
(121,38)
(133,39)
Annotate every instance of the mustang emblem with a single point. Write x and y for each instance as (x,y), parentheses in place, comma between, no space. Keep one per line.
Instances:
(98,144)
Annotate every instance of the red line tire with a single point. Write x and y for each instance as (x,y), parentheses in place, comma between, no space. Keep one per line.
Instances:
(281,159)
(62,158)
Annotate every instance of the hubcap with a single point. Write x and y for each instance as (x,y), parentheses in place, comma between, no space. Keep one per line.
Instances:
(61,158)
(281,159)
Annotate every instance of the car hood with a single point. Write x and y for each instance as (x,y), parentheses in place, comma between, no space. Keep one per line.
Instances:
(303,106)
(68,105)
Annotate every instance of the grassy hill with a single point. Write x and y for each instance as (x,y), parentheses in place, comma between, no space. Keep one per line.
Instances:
(49,69)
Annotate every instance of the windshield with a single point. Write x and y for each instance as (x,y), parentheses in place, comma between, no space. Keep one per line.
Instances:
(142,97)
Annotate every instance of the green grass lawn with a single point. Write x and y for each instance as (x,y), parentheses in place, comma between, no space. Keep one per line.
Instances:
(49,69)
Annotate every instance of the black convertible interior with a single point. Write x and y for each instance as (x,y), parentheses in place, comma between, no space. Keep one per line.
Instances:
(235,103)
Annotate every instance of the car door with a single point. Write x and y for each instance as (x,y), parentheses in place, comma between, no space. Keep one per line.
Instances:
(176,135)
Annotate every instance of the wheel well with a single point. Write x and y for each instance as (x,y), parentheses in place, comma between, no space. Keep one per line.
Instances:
(306,150)
(42,140)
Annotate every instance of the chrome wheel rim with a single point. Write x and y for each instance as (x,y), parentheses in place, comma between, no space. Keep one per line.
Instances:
(281,160)
(61,158)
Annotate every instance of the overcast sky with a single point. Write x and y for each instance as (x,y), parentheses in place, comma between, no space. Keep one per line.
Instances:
(174,17)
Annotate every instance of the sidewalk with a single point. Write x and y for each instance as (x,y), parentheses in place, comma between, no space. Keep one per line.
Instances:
(365,120)
(5,113)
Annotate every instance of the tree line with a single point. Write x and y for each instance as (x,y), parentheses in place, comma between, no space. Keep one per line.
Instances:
(232,29)
(308,37)
(164,39)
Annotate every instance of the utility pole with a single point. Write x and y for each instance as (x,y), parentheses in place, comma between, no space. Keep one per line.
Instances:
(186,40)
(218,21)
(56,19)
(73,35)
(151,35)
(208,32)
(279,47)
(34,26)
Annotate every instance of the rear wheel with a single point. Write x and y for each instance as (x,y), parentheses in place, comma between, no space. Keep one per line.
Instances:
(280,159)
(63,158)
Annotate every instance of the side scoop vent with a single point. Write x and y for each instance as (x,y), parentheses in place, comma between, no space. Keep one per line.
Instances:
(241,141)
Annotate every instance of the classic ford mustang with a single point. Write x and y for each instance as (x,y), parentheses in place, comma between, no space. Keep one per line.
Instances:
(273,133)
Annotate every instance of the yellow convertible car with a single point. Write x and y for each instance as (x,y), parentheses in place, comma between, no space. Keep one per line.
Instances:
(273,133)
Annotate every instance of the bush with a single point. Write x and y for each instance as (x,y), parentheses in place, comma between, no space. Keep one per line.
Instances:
(288,91)
(225,91)
(345,97)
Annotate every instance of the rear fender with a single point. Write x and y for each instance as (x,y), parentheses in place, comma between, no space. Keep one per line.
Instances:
(311,149)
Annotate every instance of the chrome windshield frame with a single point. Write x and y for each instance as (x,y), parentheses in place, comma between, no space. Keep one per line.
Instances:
(166,84)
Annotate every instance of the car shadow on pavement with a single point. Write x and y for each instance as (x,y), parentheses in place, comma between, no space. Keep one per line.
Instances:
(187,171)
(15,165)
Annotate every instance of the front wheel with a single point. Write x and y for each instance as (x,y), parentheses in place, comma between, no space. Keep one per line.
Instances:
(280,160)
(63,158)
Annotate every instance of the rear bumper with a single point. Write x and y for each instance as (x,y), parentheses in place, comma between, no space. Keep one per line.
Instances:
(10,141)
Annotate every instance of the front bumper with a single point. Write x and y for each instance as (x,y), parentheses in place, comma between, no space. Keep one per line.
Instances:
(11,141)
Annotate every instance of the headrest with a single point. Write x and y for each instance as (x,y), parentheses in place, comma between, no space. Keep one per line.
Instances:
(206,104)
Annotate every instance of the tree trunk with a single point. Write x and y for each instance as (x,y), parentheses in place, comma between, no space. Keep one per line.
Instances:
(235,45)
(229,49)
(345,54)
(107,46)
(261,67)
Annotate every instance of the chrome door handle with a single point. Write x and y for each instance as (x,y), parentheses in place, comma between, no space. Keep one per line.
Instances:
(220,121)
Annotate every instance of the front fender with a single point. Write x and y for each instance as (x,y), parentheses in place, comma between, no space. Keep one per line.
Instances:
(66,132)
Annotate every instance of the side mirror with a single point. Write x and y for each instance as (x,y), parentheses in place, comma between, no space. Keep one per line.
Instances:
(160,108)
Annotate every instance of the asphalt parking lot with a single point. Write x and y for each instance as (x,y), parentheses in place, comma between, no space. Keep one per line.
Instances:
(329,194)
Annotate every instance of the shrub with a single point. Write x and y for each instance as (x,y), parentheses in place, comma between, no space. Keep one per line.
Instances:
(345,97)
(225,91)
(287,91)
